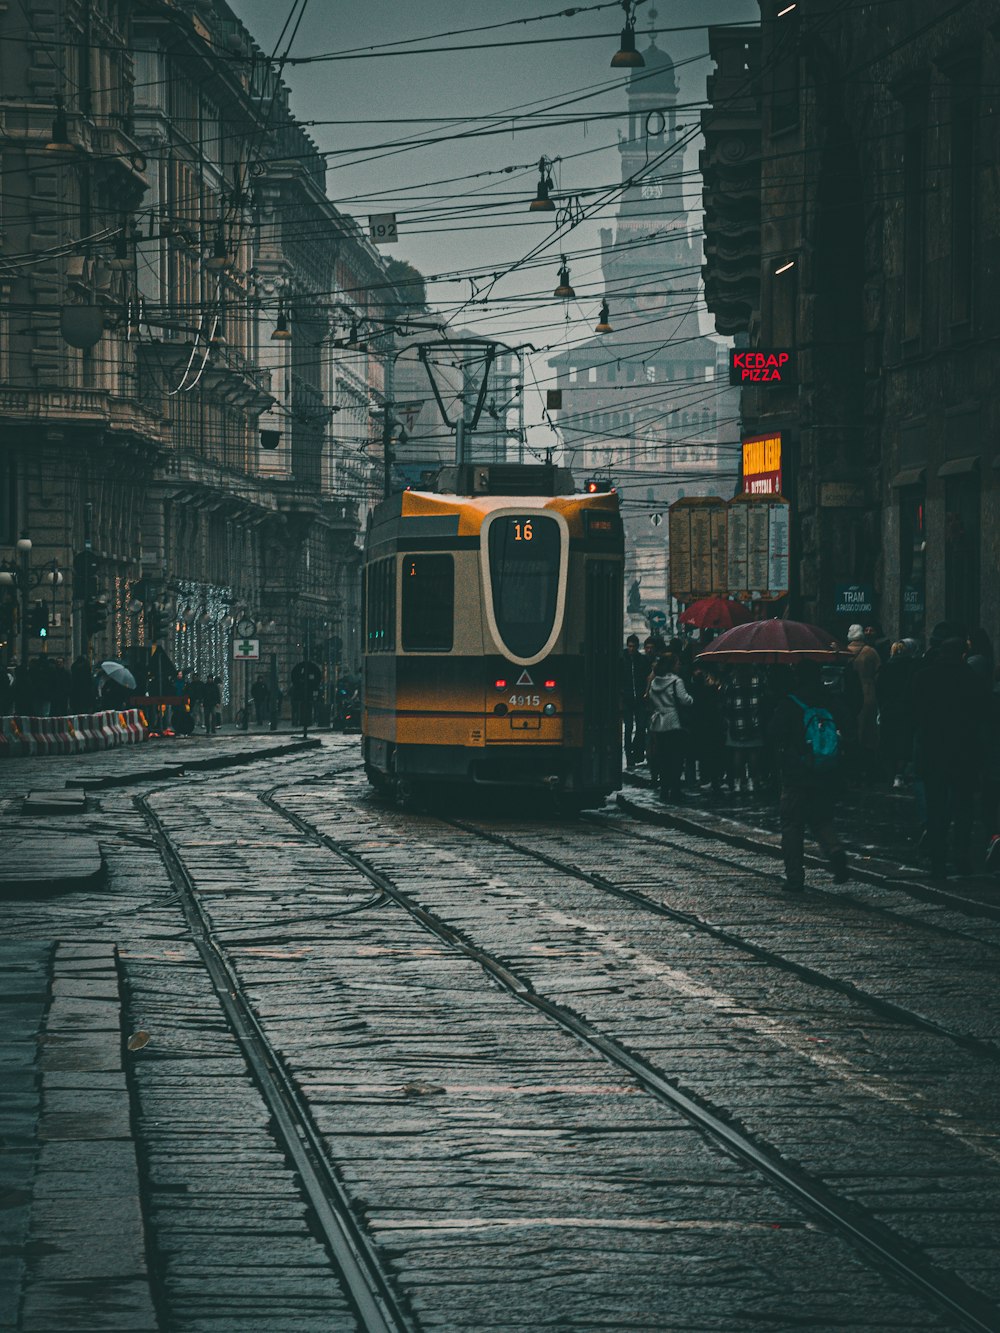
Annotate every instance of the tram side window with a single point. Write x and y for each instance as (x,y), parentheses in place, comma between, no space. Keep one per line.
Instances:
(380,607)
(428,603)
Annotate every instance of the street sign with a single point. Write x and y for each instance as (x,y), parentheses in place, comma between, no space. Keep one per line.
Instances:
(382,228)
(853,599)
(762,464)
(697,550)
(758,530)
(246,650)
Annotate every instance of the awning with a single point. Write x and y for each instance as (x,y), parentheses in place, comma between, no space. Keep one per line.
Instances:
(912,476)
(959,467)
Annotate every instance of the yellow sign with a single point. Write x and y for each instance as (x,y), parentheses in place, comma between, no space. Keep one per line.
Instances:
(762,465)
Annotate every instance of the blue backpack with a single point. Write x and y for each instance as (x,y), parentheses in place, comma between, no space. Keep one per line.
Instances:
(822,740)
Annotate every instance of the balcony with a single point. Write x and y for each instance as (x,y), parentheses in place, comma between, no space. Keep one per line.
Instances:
(82,407)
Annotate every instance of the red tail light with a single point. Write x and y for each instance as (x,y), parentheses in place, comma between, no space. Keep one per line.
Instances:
(550,684)
(499,684)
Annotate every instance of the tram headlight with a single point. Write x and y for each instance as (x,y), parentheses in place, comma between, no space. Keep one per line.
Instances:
(549,710)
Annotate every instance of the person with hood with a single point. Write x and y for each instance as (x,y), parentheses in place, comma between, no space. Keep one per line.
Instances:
(866,667)
(805,739)
(951,713)
(82,692)
(894,692)
(665,738)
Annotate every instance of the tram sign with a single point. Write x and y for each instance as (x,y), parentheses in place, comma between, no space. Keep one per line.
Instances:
(762,464)
(697,551)
(769,365)
(757,546)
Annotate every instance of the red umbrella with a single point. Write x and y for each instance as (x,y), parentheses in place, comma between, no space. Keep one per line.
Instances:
(715,613)
(764,641)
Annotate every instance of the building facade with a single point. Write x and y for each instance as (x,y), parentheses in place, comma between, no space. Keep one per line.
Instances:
(647,404)
(174,396)
(851,217)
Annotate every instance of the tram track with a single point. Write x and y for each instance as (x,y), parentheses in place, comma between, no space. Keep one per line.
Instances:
(878,1243)
(874,1003)
(379,1309)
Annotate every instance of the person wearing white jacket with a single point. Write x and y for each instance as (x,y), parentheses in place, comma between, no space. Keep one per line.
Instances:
(665,738)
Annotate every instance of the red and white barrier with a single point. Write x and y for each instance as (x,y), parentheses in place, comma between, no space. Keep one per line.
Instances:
(21,735)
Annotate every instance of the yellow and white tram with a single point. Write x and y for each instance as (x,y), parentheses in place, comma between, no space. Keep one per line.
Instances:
(493,613)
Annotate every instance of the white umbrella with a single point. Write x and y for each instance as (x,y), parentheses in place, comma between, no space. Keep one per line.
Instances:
(119,674)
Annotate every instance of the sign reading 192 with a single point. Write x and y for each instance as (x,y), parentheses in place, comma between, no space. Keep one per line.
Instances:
(382,228)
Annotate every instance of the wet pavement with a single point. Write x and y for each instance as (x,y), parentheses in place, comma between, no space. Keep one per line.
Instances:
(589,1073)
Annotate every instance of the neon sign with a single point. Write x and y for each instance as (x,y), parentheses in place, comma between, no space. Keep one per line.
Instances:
(768,366)
(762,465)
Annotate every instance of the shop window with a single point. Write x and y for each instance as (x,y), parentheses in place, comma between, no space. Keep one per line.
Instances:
(428,602)
(961,549)
(912,560)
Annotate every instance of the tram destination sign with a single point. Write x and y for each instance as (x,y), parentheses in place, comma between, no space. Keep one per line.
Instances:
(763,365)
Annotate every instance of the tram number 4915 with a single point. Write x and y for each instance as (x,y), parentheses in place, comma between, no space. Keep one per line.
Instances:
(524,700)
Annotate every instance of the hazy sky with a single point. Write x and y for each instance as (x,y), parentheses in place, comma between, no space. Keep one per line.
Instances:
(368,103)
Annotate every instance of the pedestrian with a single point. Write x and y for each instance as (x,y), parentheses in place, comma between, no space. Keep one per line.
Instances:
(665,737)
(742,712)
(806,743)
(261,696)
(6,692)
(211,701)
(22,690)
(708,732)
(894,692)
(951,717)
(866,668)
(40,686)
(991,778)
(60,687)
(82,693)
(980,654)
(635,671)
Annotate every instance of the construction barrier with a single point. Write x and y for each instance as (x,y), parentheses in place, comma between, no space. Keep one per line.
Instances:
(21,735)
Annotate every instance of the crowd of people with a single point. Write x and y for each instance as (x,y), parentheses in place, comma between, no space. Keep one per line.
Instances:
(926,722)
(46,687)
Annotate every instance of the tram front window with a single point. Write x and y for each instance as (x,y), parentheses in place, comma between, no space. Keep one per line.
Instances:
(524,552)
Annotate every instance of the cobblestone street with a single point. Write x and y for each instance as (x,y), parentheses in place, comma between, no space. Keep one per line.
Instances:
(304,1060)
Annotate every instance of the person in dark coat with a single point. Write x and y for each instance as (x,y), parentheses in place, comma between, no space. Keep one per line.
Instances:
(260,693)
(950,706)
(82,694)
(22,691)
(211,701)
(894,691)
(808,794)
(635,673)
(708,731)
(60,687)
(6,693)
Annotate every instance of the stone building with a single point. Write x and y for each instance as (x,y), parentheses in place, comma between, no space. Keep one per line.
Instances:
(74,431)
(647,404)
(221,433)
(851,217)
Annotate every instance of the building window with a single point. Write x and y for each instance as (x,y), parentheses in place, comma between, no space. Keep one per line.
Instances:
(650,374)
(961,549)
(785,63)
(428,603)
(8,504)
(964,138)
(914,154)
(912,560)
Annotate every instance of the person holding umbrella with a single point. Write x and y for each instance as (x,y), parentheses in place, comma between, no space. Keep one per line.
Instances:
(116,685)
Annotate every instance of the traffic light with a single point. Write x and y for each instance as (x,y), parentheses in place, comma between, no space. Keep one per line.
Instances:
(38,620)
(85,576)
(95,616)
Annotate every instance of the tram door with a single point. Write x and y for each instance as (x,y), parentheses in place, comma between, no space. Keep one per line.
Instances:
(602,728)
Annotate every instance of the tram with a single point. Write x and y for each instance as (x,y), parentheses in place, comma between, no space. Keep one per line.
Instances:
(492,628)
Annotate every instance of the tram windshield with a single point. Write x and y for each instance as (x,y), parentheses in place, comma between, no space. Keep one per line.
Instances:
(524,551)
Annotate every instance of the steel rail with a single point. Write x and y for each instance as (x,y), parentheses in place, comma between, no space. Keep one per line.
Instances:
(378,1308)
(734,838)
(871,1238)
(884,1008)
